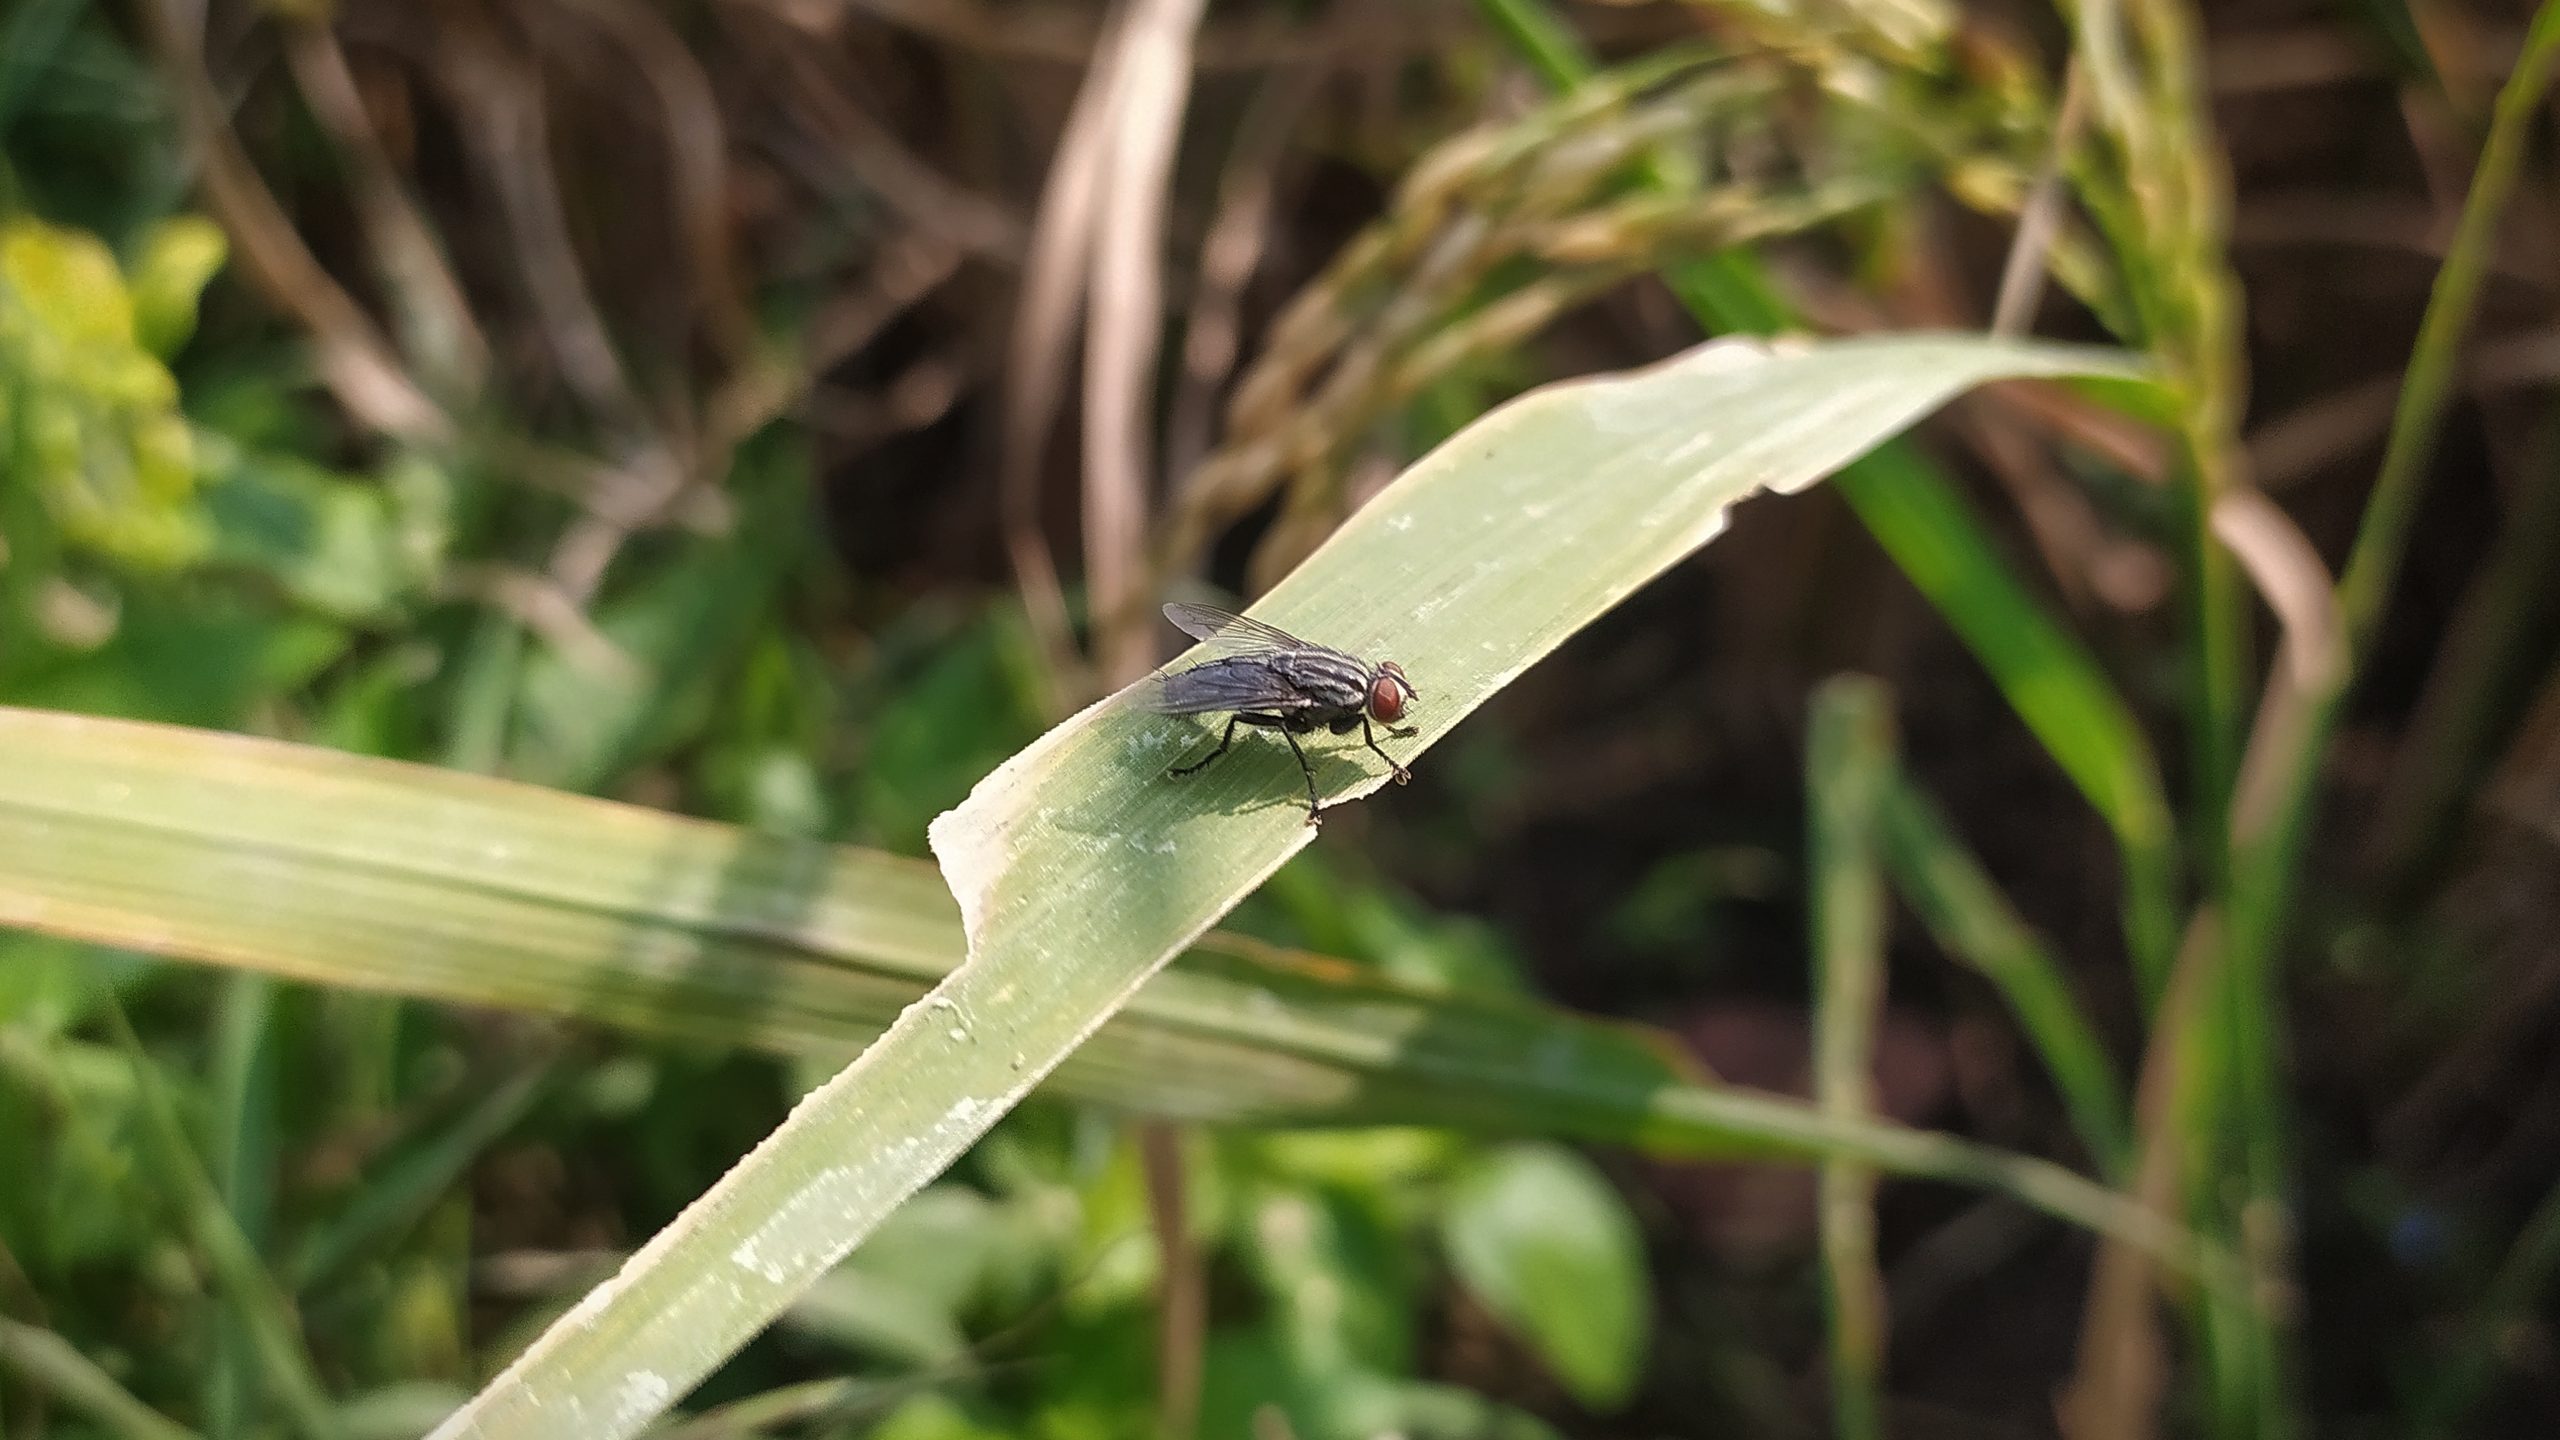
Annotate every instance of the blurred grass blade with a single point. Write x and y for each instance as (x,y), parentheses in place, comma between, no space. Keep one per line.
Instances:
(2263,885)
(400,1189)
(2503,1310)
(268,1324)
(2271,839)
(2479,693)
(2382,536)
(47,1363)
(1974,923)
(2119,1377)
(2048,677)
(342,870)
(1849,763)
(2052,681)
(1080,870)
(244,1158)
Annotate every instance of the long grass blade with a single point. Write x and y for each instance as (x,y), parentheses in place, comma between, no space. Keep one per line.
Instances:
(244,1104)
(340,870)
(270,1329)
(2503,1308)
(1973,921)
(2268,847)
(42,1360)
(2267,855)
(1849,765)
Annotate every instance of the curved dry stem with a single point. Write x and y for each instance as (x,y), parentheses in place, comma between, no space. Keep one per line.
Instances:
(357,363)
(436,316)
(1124,318)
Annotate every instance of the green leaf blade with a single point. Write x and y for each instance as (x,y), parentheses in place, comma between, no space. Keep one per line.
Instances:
(1537,1235)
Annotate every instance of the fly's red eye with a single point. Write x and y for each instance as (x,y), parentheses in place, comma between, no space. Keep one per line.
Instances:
(1386,700)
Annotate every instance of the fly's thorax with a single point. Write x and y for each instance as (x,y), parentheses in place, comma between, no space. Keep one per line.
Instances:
(1327,678)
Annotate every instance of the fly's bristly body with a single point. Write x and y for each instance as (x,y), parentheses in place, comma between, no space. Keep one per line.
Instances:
(1269,678)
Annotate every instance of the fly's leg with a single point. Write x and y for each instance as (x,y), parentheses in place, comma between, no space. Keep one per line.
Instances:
(1223,742)
(1315,803)
(1371,740)
(1315,807)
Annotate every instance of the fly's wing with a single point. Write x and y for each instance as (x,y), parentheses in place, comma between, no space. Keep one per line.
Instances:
(1235,634)
(1234,683)
(1241,676)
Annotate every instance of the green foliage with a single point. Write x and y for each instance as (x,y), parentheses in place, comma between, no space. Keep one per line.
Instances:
(359,551)
(1540,1237)
(672,631)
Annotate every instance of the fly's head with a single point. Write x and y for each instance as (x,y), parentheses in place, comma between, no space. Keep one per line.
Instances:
(1388,693)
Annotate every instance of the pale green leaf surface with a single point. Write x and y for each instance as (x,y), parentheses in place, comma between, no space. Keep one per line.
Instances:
(1080,869)
(1538,1236)
(344,870)
(1479,560)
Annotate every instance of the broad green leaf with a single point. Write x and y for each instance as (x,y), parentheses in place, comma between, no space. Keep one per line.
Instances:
(348,547)
(193,658)
(343,870)
(1080,869)
(1538,1236)
(1255,1384)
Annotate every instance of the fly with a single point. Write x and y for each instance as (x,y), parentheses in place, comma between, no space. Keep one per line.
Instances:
(1275,680)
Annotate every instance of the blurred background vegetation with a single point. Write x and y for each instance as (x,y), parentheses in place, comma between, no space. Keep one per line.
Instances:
(684,403)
